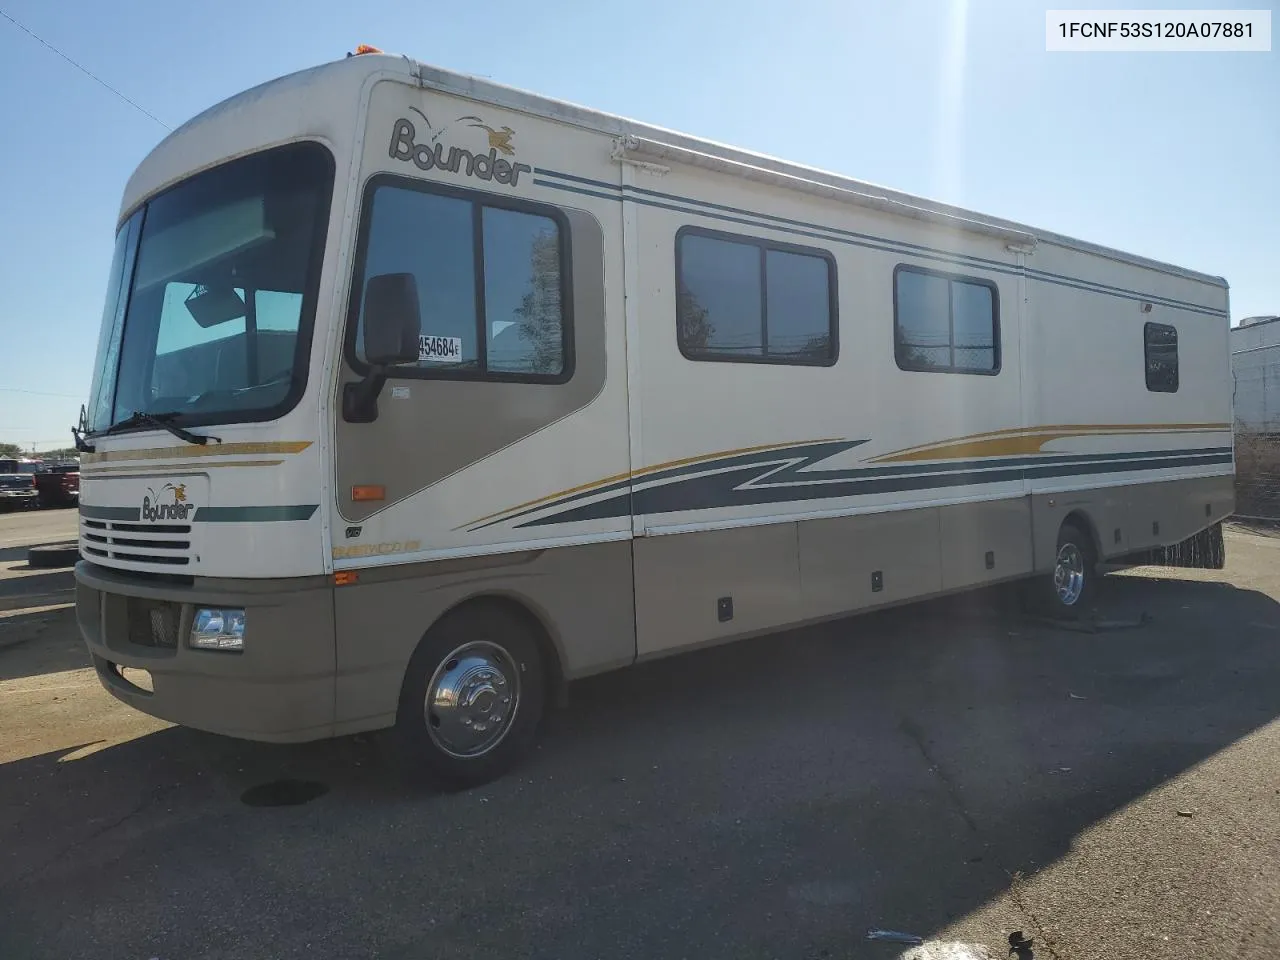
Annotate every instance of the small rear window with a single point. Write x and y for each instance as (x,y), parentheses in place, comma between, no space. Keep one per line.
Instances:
(1160,343)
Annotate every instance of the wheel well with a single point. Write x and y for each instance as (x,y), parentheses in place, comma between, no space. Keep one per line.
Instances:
(1080,520)
(556,685)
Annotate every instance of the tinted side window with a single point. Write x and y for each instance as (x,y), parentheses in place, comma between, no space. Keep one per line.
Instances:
(973,327)
(922,322)
(739,298)
(524,316)
(492,287)
(798,312)
(432,237)
(944,323)
(1160,343)
(720,308)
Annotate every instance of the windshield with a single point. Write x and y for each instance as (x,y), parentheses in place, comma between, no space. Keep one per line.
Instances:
(212,294)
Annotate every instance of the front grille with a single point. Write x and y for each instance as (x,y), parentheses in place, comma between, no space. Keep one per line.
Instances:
(153,623)
(165,544)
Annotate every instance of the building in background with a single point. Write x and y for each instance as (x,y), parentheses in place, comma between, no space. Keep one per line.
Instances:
(1255,365)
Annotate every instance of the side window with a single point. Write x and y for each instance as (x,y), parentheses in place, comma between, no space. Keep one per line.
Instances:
(738,298)
(1160,343)
(944,323)
(491,278)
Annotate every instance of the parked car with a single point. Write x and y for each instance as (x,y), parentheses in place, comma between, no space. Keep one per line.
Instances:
(18,483)
(58,484)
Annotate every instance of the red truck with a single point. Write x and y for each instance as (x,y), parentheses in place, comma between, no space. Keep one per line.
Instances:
(58,484)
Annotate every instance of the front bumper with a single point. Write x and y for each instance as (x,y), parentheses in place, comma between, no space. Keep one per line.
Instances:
(280,689)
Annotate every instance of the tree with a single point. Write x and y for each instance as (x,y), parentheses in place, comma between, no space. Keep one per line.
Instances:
(540,313)
(11,450)
(696,330)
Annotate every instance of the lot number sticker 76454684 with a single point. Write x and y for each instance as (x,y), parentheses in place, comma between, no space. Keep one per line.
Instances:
(440,349)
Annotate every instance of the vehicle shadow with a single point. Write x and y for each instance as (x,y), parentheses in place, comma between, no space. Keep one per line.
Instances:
(38,588)
(49,644)
(776,797)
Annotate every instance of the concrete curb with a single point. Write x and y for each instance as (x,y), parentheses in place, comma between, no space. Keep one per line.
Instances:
(51,555)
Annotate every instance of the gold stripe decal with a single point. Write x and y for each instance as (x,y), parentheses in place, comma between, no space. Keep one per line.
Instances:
(142,470)
(1029,440)
(1012,441)
(188,451)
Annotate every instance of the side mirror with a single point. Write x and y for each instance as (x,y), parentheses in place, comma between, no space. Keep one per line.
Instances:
(390,336)
(391,320)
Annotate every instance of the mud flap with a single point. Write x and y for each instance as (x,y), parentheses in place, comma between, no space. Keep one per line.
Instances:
(1206,551)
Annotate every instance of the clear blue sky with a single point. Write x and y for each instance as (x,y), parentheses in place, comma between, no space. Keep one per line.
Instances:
(1173,156)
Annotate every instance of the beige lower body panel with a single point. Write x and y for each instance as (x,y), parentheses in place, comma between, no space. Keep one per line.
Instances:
(840,557)
(322,661)
(1134,517)
(681,578)
(788,574)
(279,689)
(698,588)
(582,595)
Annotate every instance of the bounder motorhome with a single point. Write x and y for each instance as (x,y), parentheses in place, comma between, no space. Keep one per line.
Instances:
(417,396)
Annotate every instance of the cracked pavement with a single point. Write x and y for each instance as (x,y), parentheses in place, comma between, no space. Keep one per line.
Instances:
(951,769)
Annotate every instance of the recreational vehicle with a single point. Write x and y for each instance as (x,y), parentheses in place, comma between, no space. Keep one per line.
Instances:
(418,396)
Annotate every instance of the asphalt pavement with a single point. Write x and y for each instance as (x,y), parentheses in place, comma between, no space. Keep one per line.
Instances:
(28,593)
(952,769)
(25,528)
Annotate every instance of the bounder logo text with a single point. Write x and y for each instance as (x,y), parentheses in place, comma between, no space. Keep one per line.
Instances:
(169,504)
(429,153)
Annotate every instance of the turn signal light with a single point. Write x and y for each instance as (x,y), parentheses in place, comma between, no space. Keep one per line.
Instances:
(368,491)
(344,578)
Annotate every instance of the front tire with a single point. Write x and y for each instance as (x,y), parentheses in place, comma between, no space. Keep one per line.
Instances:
(472,698)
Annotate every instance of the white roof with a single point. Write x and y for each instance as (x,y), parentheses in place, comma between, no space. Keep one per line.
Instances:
(353,71)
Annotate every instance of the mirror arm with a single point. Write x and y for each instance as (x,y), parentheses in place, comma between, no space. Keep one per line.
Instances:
(79,431)
(360,399)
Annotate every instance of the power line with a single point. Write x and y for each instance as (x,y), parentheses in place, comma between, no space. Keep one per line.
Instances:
(40,393)
(84,70)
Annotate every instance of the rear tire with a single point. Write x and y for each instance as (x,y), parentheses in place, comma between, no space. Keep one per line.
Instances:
(1067,591)
(472,699)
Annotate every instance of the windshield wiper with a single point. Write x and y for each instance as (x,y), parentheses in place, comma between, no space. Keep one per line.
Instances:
(162,420)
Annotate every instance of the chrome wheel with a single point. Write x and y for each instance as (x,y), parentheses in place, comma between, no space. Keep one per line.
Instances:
(1068,574)
(472,699)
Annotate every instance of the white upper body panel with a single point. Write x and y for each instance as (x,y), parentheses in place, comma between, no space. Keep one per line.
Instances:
(1071,320)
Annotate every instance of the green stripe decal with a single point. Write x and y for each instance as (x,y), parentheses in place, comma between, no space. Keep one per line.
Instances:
(109,513)
(301,511)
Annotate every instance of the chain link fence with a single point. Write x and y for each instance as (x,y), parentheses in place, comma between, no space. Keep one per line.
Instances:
(1256,368)
(1257,475)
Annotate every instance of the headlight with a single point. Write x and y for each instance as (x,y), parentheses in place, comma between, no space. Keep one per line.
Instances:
(218,629)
